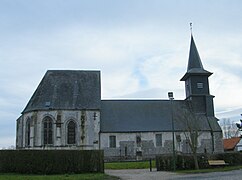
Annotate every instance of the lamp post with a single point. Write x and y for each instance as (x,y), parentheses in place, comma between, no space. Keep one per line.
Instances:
(171,98)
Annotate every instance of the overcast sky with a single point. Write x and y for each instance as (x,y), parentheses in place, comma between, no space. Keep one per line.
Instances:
(140,46)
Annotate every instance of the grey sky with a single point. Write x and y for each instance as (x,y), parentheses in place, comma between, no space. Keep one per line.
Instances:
(140,46)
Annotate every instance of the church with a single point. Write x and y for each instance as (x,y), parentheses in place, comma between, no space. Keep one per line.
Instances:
(66,112)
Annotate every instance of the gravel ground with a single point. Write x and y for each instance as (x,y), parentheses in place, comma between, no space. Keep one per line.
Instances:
(140,174)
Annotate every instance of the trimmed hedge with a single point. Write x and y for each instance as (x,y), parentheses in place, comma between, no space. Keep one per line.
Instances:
(164,162)
(232,158)
(51,161)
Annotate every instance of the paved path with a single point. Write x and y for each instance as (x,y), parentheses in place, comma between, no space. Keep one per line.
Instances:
(145,174)
(140,174)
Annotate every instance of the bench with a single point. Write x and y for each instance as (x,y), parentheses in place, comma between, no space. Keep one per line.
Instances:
(217,163)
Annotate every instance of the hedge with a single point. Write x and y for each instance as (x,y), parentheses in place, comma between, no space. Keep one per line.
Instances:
(165,162)
(51,161)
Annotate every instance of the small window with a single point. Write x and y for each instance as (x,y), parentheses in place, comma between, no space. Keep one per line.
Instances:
(112,141)
(47,104)
(126,151)
(199,85)
(58,121)
(178,138)
(138,141)
(158,139)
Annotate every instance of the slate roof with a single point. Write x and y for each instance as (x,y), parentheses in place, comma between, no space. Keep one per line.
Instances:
(67,89)
(230,144)
(194,63)
(149,116)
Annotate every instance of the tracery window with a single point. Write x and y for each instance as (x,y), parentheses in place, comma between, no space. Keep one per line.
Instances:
(71,133)
(48,131)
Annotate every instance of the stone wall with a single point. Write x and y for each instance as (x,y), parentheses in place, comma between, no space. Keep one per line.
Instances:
(128,148)
(218,142)
(87,124)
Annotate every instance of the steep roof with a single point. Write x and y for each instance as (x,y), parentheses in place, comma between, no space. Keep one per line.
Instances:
(230,144)
(194,63)
(67,89)
(149,116)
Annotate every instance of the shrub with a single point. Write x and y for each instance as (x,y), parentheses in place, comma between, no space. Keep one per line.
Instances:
(164,162)
(51,161)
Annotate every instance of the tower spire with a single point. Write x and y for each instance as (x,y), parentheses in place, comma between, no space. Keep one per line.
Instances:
(196,83)
(194,62)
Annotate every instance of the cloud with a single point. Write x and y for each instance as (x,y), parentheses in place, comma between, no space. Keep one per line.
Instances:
(221,56)
(141,48)
(141,56)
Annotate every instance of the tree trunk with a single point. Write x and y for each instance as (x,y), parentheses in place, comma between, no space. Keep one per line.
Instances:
(195,161)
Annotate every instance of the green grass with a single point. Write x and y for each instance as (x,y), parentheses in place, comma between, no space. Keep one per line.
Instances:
(146,165)
(93,176)
(221,169)
(129,165)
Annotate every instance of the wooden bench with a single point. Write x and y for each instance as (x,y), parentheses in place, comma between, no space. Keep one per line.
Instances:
(217,163)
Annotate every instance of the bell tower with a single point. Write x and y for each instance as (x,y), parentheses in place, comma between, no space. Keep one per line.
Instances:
(197,84)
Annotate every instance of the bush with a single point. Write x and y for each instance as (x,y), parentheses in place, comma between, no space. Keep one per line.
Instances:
(51,161)
(232,158)
(164,162)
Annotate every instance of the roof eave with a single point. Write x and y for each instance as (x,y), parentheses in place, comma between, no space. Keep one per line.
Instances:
(206,73)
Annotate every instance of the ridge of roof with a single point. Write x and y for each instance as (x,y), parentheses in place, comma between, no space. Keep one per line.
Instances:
(68,70)
(140,100)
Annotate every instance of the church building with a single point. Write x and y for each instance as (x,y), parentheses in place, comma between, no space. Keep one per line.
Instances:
(66,112)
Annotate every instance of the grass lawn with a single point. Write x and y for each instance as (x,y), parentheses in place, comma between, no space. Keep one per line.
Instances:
(146,165)
(91,176)
(129,165)
(100,176)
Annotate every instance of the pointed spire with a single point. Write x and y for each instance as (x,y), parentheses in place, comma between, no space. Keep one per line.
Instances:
(194,63)
(194,60)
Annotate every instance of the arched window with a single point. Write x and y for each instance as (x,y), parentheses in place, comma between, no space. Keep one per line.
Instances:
(48,131)
(71,133)
(27,132)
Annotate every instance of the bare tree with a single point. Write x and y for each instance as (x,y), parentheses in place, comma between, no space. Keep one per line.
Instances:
(188,122)
(229,129)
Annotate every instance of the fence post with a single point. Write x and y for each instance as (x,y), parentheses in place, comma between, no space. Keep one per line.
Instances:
(150,165)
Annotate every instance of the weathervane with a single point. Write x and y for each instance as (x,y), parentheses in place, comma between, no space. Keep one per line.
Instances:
(191,27)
